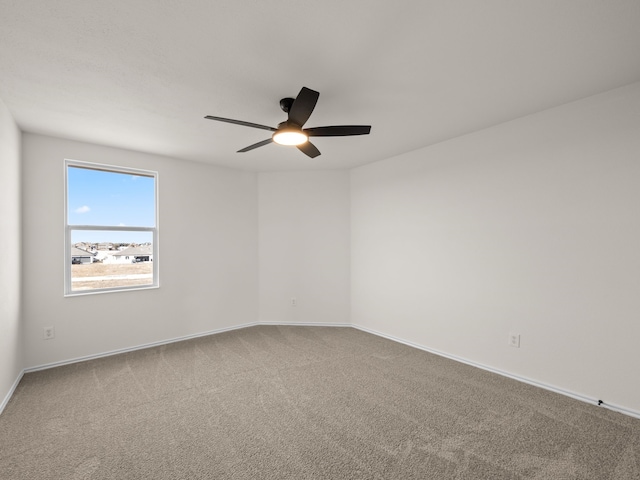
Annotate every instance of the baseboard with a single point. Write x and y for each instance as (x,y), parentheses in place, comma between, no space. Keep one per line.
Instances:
(153,344)
(9,394)
(137,347)
(306,324)
(173,340)
(582,398)
(552,388)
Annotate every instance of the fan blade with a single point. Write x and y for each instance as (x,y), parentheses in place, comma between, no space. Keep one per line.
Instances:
(240,122)
(338,131)
(303,105)
(309,149)
(256,145)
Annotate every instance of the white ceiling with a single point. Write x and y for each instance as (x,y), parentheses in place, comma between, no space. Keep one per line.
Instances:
(142,74)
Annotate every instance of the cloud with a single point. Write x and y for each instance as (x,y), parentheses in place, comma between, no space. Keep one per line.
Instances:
(82,209)
(121,225)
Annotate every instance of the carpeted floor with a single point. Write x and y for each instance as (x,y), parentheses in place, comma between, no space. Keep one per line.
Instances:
(274,402)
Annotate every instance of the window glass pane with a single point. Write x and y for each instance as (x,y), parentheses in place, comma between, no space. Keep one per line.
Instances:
(98,197)
(111,228)
(108,259)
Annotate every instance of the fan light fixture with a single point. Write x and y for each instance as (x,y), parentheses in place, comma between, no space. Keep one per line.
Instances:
(289,137)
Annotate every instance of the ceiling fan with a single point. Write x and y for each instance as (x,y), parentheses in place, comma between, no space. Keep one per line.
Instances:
(290,132)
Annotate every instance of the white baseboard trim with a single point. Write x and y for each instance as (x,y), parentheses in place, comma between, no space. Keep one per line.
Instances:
(137,347)
(306,324)
(172,340)
(9,394)
(582,398)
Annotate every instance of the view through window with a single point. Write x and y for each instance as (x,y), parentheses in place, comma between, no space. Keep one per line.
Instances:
(111,230)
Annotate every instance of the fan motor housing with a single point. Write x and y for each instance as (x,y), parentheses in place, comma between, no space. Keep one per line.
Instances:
(285,104)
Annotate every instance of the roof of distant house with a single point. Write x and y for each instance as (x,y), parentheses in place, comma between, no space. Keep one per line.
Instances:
(78,252)
(135,251)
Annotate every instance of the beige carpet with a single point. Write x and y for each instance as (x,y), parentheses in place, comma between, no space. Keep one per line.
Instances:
(291,402)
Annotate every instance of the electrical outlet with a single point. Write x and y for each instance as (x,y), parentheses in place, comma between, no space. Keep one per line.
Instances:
(294,302)
(49,333)
(514,340)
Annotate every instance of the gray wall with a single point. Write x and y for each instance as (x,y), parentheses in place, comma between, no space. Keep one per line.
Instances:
(529,227)
(11,346)
(304,246)
(208,256)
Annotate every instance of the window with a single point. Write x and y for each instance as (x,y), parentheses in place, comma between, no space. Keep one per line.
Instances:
(111,228)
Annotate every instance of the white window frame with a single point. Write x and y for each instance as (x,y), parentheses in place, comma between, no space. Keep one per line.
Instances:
(68,292)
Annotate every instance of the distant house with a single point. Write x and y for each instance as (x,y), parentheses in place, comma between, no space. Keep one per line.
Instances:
(83,246)
(137,254)
(80,256)
(103,255)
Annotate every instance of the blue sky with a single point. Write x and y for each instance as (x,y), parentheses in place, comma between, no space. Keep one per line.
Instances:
(97,197)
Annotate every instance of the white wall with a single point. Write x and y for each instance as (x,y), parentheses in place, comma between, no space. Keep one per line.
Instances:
(304,246)
(11,348)
(208,256)
(533,227)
